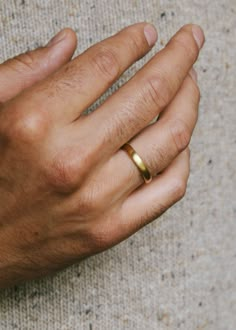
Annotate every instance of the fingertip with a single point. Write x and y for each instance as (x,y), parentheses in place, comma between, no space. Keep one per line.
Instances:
(197,32)
(65,36)
(145,29)
(150,33)
(198,35)
(71,36)
(56,39)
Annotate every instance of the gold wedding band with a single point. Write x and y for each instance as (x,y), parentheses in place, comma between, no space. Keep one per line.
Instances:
(138,162)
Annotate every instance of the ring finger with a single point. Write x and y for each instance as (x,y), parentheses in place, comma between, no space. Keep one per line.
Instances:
(158,144)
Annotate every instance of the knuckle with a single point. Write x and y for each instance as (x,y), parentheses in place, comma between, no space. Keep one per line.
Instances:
(158,158)
(155,211)
(28,127)
(25,60)
(157,90)
(68,169)
(180,134)
(106,63)
(196,94)
(61,173)
(179,187)
(117,126)
(65,80)
(99,237)
(135,44)
(90,202)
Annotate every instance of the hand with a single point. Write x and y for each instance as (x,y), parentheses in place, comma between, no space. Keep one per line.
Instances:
(67,190)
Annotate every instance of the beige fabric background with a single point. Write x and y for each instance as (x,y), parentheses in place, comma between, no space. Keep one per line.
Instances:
(180,271)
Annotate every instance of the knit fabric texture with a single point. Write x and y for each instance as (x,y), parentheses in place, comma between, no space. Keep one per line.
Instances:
(179,272)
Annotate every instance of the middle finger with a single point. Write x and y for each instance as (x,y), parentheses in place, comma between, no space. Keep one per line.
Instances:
(136,103)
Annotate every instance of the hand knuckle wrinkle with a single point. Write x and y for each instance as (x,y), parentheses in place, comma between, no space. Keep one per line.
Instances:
(181,134)
(106,63)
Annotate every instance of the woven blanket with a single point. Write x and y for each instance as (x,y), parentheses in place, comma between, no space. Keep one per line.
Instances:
(179,272)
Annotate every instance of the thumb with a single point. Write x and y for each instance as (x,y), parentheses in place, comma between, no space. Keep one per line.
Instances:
(24,70)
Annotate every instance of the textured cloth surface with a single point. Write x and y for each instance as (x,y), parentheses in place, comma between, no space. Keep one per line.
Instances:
(179,272)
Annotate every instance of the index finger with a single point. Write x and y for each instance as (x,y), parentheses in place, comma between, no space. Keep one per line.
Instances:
(79,83)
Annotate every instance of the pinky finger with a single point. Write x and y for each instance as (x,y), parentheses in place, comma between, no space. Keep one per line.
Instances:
(149,201)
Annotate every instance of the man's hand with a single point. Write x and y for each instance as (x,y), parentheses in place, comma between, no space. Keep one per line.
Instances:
(67,190)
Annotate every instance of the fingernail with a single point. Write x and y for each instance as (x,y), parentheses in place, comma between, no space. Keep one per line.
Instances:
(57,38)
(150,34)
(193,74)
(198,35)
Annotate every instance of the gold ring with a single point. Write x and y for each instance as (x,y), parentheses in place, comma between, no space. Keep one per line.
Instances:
(138,162)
